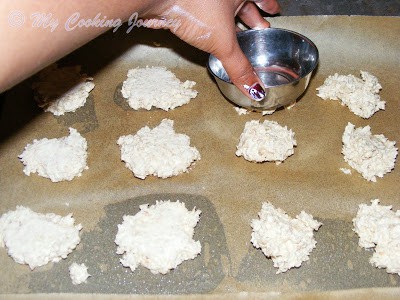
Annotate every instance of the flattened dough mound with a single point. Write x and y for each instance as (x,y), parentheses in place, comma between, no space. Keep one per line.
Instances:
(371,155)
(159,237)
(360,95)
(287,241)
(159,151)
(57,159)
(62,90)
(37,239)
(378,226)
(158,87)
(267,141)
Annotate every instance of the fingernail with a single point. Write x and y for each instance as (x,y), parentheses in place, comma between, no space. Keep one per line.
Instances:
(256,91)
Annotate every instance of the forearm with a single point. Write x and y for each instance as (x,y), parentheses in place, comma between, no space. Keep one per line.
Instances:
(27,45)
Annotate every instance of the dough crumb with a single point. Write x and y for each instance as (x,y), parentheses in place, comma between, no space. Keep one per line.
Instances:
(379,227)
(37,239)
(159,237)
(158,87)
(361,96)
(241,111)
(159,151)
(78,273)
(371,155)
(345,171)
(267,141)
(57,159)
(267,112)
(62,90)
(287,241)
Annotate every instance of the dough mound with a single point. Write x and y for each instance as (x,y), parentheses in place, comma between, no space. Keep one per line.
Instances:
(158,237)
(287,241)
(62,90)
(78,273)
(360,95)
(37,239)
(159,151)
(371,155)
(267,141)
(158,87)
(56,159)
(378,226)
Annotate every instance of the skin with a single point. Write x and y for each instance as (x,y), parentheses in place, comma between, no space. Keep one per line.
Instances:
(205,24)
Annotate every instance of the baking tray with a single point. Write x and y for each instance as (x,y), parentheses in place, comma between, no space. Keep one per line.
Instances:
(227,189)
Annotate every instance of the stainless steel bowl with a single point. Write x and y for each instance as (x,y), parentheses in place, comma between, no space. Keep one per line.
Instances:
(283,59)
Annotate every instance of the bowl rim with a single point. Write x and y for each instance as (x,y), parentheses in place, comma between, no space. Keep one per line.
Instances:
(269,29)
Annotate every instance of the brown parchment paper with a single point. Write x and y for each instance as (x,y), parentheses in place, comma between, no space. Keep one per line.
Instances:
(228,189)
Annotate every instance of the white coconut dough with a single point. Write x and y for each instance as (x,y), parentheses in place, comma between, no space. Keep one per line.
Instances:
(57,159)
(37,239)
(159,237)
(241,111)
(267,141)
(360,95)
(159,151)
(62,90)
(379,226)
(371,155)
(158,87)
(287,241)
(345,171)
(267,112)
(78,273)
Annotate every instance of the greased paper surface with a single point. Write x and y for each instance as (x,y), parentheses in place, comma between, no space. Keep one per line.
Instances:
(227,189)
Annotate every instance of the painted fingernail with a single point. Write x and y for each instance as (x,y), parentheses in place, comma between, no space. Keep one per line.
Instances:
(256,91)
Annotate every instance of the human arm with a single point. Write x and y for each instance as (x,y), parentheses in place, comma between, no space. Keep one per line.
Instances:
(206,24)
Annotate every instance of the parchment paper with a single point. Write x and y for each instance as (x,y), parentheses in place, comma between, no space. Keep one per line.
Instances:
(228,189)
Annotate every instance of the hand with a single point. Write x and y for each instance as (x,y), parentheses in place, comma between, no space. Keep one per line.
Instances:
(206,24)
(210,26)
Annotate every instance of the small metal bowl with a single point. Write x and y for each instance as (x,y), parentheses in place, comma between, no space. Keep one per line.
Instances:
(283,59)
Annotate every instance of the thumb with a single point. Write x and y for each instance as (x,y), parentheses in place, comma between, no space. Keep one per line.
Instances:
(241,72)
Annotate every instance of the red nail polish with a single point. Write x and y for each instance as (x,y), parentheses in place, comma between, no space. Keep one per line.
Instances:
(256,92)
